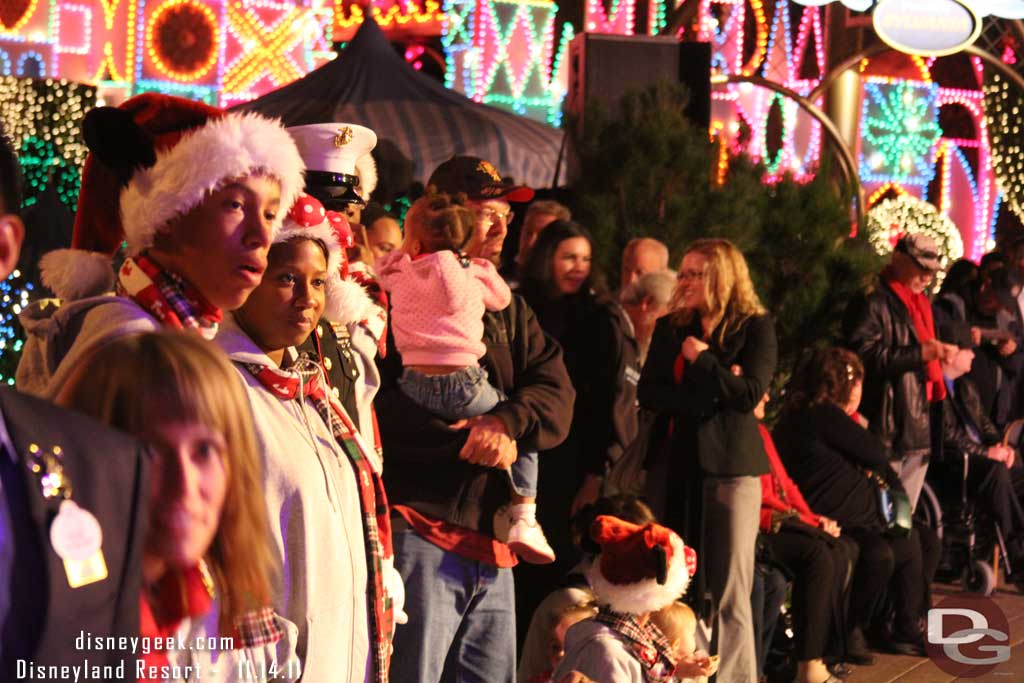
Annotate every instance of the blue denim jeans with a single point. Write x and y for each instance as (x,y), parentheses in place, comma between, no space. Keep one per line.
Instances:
(462,394)
(462,621)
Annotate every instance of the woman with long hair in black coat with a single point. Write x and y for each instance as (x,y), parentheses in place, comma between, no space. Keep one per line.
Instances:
(566,292)
(711,360)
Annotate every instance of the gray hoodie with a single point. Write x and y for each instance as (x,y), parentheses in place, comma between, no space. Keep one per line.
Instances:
(61,335)
(599,653)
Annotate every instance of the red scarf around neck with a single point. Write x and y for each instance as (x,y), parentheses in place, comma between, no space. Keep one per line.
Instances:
(175,598)
(920,309)
(305,376)
(165,296)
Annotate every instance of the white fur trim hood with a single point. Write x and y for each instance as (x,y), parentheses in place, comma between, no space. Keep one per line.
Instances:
(73,274)
(230,146)
(642,596)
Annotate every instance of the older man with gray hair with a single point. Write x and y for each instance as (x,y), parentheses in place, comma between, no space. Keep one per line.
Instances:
(646,300)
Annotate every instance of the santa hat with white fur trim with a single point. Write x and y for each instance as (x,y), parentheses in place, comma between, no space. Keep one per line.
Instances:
(346,301)
(640,568)
(156,157)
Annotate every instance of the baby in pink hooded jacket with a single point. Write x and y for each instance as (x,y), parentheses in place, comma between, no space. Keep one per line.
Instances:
(438,300)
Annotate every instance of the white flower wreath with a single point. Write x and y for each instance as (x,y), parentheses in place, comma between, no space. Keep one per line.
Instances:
(892,218)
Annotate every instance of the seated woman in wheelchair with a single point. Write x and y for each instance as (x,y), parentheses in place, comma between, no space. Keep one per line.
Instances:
(970,439)
(811,551)
(839,465)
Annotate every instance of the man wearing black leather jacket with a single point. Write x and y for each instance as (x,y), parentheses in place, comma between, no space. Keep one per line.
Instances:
(892,331)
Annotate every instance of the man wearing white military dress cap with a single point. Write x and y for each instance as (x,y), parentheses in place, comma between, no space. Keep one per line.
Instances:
(340,171)
(341,174)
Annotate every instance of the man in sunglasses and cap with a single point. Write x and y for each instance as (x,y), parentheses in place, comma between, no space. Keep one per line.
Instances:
(893,332)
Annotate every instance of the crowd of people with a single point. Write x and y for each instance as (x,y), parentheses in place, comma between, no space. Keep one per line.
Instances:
(282,434)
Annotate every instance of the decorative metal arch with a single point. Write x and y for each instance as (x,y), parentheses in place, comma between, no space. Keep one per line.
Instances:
(848,164)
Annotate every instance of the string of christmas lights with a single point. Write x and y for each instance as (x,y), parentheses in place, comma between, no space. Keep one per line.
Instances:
(172,58)
(729,38)
(899,131)
(620,19)
(499,52)
(43,119)
(1003,104)
(15,293)
(795,148)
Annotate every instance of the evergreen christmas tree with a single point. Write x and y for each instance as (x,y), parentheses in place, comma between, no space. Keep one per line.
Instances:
(646,170)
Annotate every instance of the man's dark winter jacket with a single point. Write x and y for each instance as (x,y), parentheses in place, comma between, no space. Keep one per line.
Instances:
(422,468)
(956,437)
(877,328)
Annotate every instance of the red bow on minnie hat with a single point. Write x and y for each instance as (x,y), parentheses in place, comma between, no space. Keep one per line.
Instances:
(343,231)
(341,227)
(307,211)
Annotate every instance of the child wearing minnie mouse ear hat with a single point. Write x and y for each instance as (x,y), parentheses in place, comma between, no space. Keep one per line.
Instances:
(640,570)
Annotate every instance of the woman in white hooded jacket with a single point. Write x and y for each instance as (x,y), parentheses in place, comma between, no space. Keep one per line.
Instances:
(325,500)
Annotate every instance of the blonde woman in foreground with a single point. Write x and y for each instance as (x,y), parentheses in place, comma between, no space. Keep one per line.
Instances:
(207,560)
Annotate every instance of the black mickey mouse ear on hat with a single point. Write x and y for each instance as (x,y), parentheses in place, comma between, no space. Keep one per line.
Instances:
(112,135)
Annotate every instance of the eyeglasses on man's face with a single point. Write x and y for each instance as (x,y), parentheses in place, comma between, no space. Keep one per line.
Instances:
(492,215)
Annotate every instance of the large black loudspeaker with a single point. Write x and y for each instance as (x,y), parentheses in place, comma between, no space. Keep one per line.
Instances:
(604,67)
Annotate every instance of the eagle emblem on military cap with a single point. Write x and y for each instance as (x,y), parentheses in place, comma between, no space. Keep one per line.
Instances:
(343,137)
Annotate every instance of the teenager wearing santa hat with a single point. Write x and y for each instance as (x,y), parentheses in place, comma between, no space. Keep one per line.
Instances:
(196,195)
(640,570)
(322,479)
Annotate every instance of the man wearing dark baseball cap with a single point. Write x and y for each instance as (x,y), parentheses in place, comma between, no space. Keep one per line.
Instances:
(488,194)
(445,485)
(893,331)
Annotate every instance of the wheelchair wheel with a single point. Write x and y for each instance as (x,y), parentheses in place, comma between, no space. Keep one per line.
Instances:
(978,577)
(928,511)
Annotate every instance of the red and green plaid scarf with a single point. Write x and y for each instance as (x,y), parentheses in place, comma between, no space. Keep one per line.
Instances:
(305,375)
(648,644)
(166,297)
